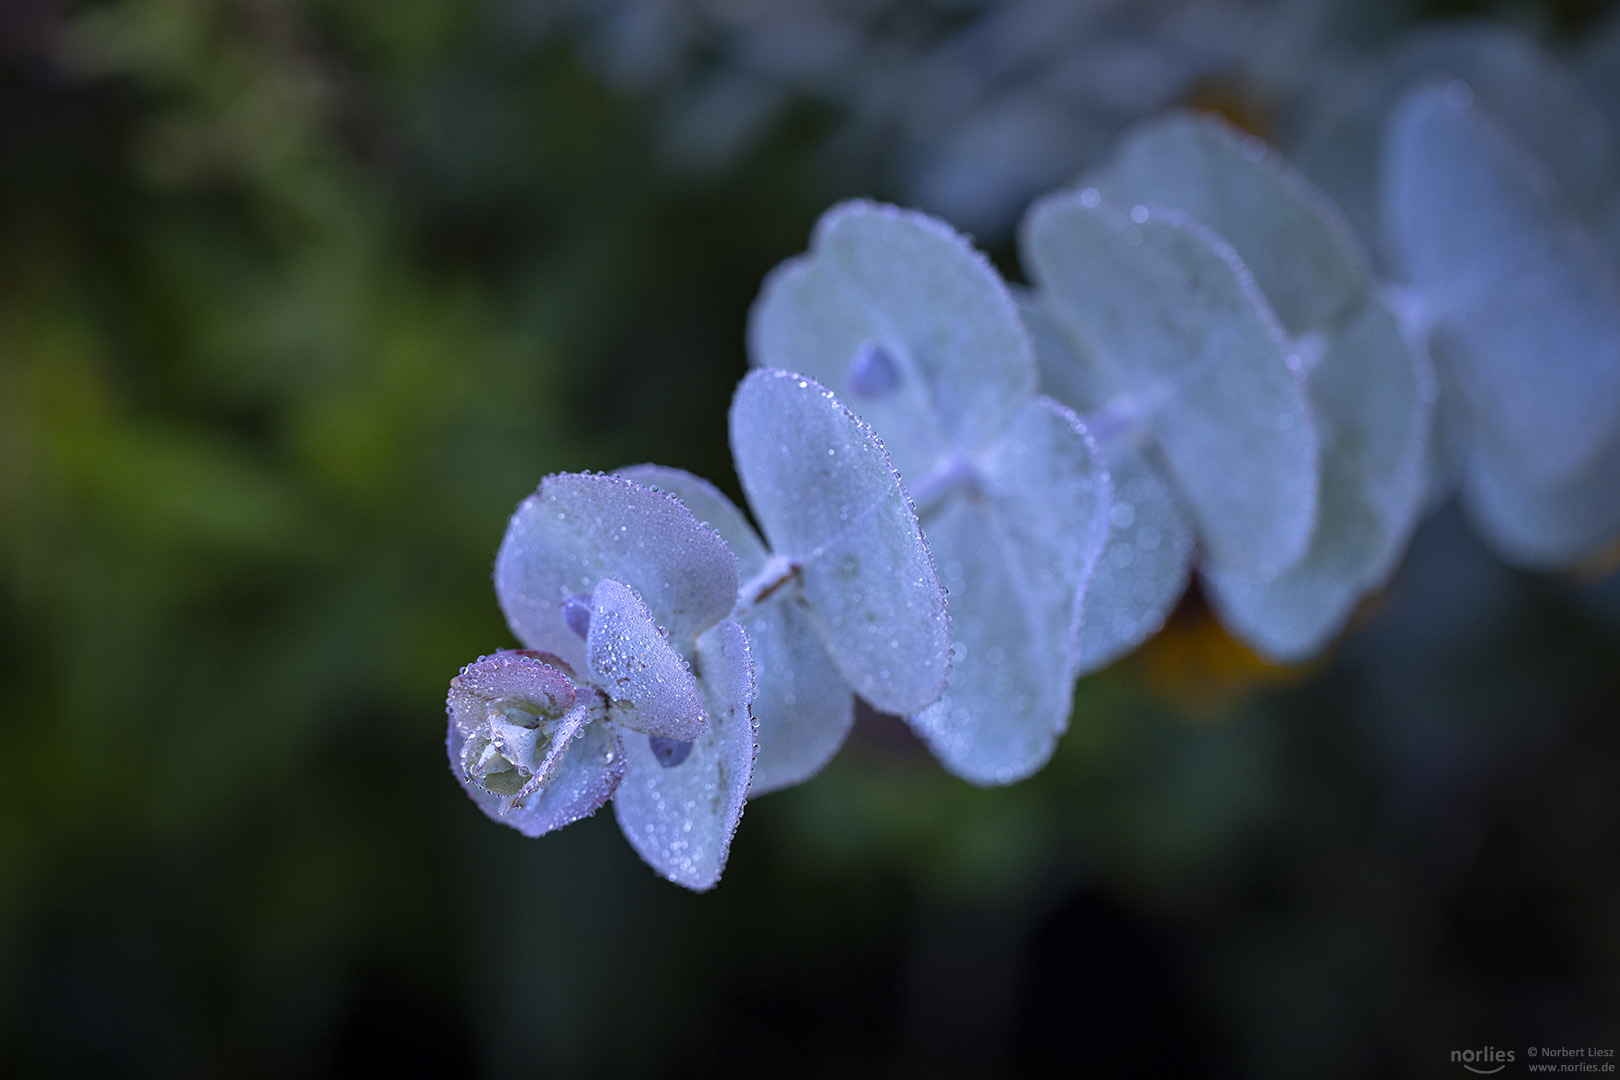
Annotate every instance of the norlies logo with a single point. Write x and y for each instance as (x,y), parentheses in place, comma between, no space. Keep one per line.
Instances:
(1484,1061)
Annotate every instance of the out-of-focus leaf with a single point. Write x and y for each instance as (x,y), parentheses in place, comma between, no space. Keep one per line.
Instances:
(648,685)
(830,503)
(1147,559)
(1372,405)
(681,819)
(1016,555)
(578,530)
(905,282)
(1173,320)
(1546,525)
(1523,302)
(1530,91)
(1289,235)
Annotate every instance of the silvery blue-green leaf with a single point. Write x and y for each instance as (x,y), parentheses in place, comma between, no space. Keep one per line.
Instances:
(710,506)
(802,705)
(681,818)
(648,686)
(1450,442)
(508,695)
(880,281)
(1524,303)
(1144,566)
(1529,90)
(1546,525)
(1016,554)
(832,507)
(1147,559)
(1289,235)
(1075,377)
(1372,399)
(580,529)
(1167,310)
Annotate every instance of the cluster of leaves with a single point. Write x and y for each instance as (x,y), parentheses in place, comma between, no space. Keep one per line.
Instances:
(1235,388)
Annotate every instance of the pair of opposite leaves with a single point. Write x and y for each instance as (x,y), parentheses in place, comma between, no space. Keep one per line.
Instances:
(1494,181)
(1205,311)
(655,639)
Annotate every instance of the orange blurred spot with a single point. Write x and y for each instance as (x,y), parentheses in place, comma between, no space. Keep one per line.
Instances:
(1233,103)
(1194,665)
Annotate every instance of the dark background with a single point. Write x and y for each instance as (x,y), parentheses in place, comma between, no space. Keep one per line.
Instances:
(298,299)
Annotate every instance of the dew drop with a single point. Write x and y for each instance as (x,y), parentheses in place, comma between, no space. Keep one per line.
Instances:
(1139,213)
(576,613)
(873,373)
(669,752)
(1090,197)
(1254,148)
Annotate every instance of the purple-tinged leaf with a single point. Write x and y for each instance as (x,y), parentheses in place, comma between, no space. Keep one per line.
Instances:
(648,686)
(681,818)
(524,746)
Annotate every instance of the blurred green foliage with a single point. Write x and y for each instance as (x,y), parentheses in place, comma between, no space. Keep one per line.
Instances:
(297,300)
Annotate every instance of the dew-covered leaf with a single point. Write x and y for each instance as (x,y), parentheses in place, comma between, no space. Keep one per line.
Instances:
(579,529)
(1523,302)
(802,705)
(710,506)
(907,285)
(1169,313)
(648,685)
(1289,235)
(1546,525)
(681,818)
(508,682)
(516,733)
(1510,75)
(1372,398)
(1016,555)
(832,506)
(1144,566)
